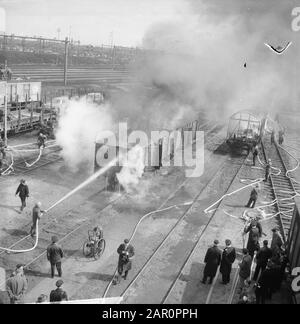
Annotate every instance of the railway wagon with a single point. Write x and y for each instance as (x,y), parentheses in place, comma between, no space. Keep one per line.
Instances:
(245,130)
(294,251)
(20,93)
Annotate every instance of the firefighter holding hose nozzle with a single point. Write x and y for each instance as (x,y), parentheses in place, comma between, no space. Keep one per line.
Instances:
(41,140)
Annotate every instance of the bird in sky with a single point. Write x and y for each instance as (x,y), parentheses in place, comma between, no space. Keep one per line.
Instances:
(279,49)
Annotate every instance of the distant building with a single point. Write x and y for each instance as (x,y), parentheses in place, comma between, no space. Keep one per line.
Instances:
(2,21)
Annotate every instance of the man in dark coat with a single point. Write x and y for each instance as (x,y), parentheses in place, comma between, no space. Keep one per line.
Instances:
(245,269)
(23,192)
(262,258)
(268,170)
(255,233)
(212,260)
(54,256)
(266,284)
(255,154)
(253,197)
(277,240)
(126,254)
(58,294)
(228,257)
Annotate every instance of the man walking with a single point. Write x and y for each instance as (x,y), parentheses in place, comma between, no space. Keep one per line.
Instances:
(23,192)
(262,257)
(54,256)
(228,257)
(126,254)
(36,216)
(16,285)
(58,294)
(245,269)
(212,260)
(253,197)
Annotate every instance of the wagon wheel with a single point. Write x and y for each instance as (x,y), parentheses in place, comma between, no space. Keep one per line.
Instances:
(87,248)
(99,249)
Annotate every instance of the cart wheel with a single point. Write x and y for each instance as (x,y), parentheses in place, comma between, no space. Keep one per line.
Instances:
(87,248)
(100,249)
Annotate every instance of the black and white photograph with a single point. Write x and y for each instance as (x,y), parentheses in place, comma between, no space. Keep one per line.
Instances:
(149,155)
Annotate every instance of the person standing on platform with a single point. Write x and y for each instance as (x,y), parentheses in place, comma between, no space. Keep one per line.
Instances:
(54,256)
(228,257)
(58,294)
(245,269)
(212,261)
(17,285)
(262,258)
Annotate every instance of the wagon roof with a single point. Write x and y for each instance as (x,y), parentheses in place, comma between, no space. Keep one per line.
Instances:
(253,114)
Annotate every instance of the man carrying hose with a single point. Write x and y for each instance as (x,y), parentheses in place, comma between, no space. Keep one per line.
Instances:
(23,192)
(36,215)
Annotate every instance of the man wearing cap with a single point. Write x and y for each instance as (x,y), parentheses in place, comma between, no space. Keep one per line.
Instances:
(126,254)
(212,261)
(16,285)
(54,256)
(23,192)
(36,216)
(228,257)
(58,294)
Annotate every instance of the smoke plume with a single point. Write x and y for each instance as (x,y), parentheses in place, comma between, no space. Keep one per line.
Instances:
(79,125)
(195,63)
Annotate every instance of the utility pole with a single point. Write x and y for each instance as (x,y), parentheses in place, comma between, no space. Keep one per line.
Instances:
(66,61)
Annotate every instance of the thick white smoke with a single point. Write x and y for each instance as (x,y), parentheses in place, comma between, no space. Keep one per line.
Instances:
(78,127)
(133,169)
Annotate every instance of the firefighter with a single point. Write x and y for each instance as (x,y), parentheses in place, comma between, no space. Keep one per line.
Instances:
(273,137)
(281,138)
(255,154)
(36,215)
(253,197)
(41,140)
(23,192)
(268,170)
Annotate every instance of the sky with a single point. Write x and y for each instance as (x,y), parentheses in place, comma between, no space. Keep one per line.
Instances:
(125,22)
(96,22)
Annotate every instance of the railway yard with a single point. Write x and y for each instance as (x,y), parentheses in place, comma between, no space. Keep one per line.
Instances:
(149,155)
(166,221)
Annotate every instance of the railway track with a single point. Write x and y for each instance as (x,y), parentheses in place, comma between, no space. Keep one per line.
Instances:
(64,229)
(56,74)
(51,156)
(282,187)
(151,284)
